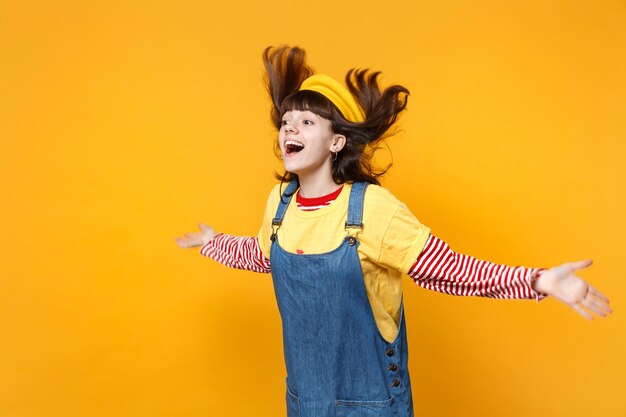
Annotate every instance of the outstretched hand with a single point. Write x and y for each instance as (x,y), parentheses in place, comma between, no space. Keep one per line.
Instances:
(190,240)
(562,283)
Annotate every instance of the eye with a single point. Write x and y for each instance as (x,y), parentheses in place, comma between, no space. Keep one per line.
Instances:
(283,122)
(307,122)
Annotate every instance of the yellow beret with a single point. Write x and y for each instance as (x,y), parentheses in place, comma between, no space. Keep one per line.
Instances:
(337,94)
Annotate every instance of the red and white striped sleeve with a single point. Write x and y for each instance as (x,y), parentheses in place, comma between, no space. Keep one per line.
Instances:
(441,269)
(237,252)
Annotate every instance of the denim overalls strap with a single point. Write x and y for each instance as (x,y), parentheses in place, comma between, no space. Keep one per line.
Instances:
(355,205)
(338,364)
(285,198)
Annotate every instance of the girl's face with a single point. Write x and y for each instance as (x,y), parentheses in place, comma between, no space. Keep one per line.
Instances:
(307,141)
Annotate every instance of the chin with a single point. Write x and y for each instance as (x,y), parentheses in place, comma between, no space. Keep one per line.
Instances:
(291,168)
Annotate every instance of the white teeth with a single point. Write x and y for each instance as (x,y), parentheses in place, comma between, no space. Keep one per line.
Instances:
(295,143)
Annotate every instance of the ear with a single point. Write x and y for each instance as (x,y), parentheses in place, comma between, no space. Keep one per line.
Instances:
(338,142)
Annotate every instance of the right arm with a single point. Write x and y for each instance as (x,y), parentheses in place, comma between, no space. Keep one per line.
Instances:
(237,252)
(232,251)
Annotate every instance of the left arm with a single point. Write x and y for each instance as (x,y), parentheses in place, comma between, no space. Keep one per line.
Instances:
(441,269)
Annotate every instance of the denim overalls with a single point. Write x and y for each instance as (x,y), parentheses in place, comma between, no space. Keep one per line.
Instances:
(338,364)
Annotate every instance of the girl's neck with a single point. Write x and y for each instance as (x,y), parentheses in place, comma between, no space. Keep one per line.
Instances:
(316,186)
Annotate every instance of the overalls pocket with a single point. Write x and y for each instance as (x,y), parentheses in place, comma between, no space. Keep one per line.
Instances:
(348,408)
(293,404)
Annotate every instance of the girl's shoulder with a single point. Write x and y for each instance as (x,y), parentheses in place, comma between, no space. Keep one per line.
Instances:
(380,196)
(274,195)
(381,205)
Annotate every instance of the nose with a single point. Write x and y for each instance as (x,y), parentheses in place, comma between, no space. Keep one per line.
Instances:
(289,128)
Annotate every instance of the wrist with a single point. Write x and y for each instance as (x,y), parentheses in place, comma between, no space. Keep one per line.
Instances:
(539,281)
(209,237)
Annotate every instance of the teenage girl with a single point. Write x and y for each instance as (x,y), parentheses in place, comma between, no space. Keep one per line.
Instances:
(338,250)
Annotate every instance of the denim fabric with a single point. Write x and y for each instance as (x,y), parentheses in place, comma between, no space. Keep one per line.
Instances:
(338,364)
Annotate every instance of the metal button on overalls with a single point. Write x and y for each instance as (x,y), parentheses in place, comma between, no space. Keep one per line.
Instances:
(335,356)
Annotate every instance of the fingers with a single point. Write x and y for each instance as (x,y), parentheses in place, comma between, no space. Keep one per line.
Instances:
(207,233)
(593,302)
(182,242)
(194,239)
(581,311)
(581,264)
(204,227)
(598,294)
(595,305)
(189,241)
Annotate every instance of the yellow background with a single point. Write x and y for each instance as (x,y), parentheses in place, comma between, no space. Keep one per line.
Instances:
(124,124)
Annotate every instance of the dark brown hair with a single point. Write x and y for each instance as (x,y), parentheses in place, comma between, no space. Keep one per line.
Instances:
(286,69)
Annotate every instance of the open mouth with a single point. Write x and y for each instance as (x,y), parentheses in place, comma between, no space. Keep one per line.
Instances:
(292,146)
